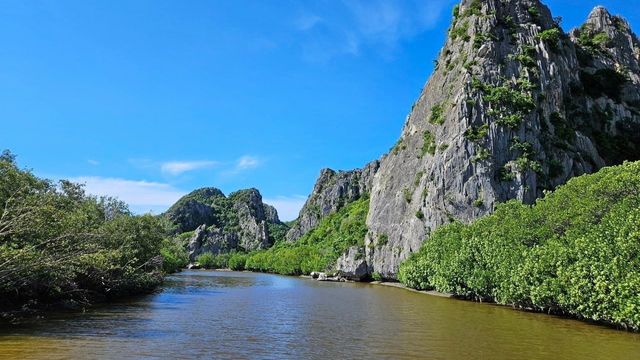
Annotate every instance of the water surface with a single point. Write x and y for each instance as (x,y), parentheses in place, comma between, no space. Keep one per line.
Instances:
(232,315)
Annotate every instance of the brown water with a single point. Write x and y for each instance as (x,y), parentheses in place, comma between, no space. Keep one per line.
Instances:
(230,315)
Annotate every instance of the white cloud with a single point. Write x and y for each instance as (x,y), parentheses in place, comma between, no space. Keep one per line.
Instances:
(288,206)
(93,162)
(179,167)
(142,196)
(247,162)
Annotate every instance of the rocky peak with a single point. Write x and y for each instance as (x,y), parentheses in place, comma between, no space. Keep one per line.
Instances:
(271,214)
(602,20)
(240,221)
(252,220)
(510,111)
(610,42)
(331,192)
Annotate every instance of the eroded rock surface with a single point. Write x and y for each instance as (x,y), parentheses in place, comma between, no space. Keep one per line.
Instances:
(332,191)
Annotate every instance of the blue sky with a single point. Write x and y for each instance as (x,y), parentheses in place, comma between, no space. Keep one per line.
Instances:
(147,100)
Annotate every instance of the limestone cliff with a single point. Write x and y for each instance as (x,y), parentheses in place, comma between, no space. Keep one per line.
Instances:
(240,221)
(514,107)
(332,191)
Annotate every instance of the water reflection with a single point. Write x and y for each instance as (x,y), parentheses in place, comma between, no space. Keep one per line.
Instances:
(204,314)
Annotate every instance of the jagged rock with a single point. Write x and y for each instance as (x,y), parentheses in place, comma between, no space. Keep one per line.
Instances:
(252,220)
(271,214)
(211,240)
(513,108)
(192,214)
(238,222)
(201,206)
(353,265)
(332,191)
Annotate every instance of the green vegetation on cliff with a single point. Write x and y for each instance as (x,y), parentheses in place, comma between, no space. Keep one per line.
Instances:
(59,245)
(317,250)
(575,252)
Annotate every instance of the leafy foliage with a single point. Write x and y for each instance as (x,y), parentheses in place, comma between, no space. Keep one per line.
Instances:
(437,115)
(174,255)
(593,42)
(575,252)
(317,250)
(477,134)
(58,244)
(461,31)
(213,261)
(551,37)
(475,8)
(277,231)
(510,103)
(428,145)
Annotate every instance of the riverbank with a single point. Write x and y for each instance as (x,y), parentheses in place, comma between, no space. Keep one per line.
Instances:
(257,315)
(434,293)
(521,309)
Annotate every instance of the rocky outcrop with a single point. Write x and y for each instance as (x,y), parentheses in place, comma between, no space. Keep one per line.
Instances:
(332,191)
(211,240)
(352,264)
(198,207)
(240,221)
(252,219)
(514,107)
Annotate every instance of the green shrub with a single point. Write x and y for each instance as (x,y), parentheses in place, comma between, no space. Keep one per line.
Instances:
(399,146)
(551,37)
(593,42)
(174,256)
(437,115)
(407,195)
(429,144)
(420,214)
(482,38)
(319,249)
(383,239)
(575,252)
(461,31)
(510,103)
(527,57)
(237,261)
(58,244)
(482,154)
(476,134)
(475,8)
(213,261)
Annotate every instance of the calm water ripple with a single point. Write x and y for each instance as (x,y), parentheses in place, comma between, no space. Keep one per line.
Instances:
(231,315)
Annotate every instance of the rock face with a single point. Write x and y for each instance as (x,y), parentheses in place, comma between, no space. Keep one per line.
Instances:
(332,191)
(514,107)
(353,265)
(211,240)
(240,221)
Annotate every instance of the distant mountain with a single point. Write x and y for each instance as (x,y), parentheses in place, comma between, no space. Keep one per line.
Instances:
(220,224)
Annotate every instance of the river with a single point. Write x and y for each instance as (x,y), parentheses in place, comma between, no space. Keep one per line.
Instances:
(235,315)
